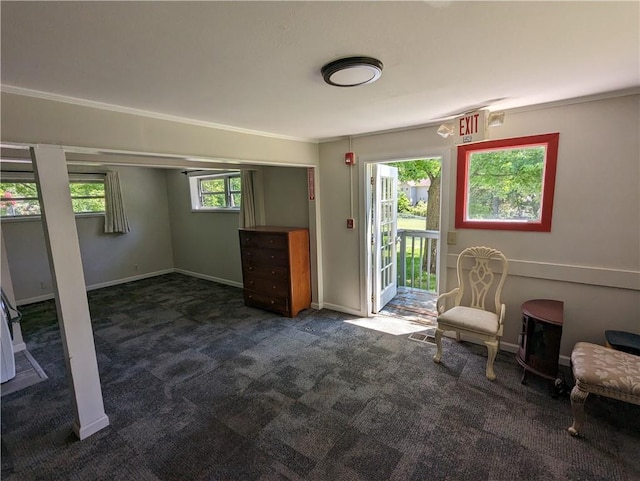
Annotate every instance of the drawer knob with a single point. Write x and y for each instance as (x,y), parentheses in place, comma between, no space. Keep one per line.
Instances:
(273,273)
(273,302)
(273,257)
(250,268)
(274,287)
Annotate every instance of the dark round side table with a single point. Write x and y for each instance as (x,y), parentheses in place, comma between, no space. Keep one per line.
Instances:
(539,345)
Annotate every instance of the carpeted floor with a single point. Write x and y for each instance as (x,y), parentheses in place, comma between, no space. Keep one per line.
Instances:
(28,373)
(199,387)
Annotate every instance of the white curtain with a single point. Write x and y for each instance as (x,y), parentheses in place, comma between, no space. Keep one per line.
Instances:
(247,202)
(115,219)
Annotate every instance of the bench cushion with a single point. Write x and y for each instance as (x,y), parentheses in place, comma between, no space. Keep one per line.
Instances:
(607,372)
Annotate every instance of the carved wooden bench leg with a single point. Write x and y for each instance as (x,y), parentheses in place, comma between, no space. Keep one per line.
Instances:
(578,398)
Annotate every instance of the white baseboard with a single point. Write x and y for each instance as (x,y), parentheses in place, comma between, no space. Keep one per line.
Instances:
(129,279)
(209,278)
(506,347)
(346,310)
(46,297)
(33,300)
(115,282)
(510,347)
(93,427)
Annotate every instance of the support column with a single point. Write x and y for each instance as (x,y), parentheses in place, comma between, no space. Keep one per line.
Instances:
(61,235)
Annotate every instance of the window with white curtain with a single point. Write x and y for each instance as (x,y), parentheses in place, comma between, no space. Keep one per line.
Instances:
(19,195)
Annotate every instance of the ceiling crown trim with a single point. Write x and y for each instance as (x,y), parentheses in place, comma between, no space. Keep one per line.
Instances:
(144,113)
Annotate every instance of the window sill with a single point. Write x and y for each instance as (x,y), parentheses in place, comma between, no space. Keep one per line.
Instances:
(37,218)
(215,211)
(530,226)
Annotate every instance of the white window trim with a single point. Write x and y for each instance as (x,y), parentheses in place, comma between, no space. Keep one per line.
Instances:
(29,177)
(194,191)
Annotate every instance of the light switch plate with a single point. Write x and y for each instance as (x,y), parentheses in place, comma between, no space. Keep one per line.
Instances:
(452,237)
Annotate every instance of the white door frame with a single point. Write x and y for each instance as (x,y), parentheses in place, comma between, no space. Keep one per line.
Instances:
(365,226)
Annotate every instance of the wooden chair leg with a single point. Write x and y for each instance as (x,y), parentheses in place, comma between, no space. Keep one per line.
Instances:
(578,398)
(492,351)
(438,354)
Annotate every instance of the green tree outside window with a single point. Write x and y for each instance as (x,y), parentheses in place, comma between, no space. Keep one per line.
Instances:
(20,199)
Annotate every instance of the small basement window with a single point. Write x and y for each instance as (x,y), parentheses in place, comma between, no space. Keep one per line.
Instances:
(19,197)
(507,184)
(216,192)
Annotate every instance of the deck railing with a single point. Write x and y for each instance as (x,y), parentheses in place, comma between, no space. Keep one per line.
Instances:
(418,253)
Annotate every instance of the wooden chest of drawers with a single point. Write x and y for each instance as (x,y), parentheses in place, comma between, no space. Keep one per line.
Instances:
(275,268)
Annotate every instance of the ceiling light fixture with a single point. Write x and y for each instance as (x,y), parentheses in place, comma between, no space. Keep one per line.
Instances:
(352,71)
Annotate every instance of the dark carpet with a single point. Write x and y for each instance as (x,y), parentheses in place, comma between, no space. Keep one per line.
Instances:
(199,387)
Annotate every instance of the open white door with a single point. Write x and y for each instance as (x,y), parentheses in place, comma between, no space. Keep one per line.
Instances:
(384,228)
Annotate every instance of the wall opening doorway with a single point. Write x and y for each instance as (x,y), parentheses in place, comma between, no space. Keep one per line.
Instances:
(403,210)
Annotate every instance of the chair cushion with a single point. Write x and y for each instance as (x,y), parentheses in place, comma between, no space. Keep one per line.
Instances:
(471,319)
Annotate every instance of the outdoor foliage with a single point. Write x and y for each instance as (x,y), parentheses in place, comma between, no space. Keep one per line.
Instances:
(21,198)
(416,273)
(420,209)
(417,170)
(506,184)
(418,278)
(404,206)
(87,196)
(214,192)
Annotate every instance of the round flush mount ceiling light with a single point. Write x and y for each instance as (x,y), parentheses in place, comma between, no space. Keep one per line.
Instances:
(352,71)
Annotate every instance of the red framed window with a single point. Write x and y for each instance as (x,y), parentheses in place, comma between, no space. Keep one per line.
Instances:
(507,184)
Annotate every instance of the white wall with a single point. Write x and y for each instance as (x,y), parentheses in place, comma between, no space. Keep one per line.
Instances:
(106,258)
(204,243)
(165,233)
(590,259)
(344,249)
(34,120)
(207,243)
(285,196)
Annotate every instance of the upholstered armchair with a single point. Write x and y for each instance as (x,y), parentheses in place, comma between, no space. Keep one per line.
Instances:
(468,309)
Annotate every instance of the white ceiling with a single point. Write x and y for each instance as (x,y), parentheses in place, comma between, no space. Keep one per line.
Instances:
(256,65)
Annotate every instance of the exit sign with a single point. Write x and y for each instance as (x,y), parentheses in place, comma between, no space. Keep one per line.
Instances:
(470,127)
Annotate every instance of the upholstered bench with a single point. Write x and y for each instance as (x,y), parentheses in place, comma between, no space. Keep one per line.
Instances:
(603,371)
